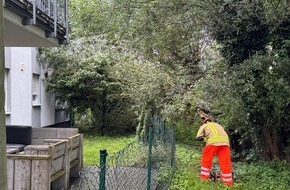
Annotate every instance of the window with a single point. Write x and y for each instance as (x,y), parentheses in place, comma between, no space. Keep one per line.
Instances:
(6,90)
(35,90)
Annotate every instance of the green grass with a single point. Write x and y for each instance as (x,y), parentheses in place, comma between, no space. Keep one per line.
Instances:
(93,145)
(256,176)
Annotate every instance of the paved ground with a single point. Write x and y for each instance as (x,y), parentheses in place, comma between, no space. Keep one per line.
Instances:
(120,178)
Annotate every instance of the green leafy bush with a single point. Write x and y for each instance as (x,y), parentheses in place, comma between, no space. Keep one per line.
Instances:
(185,133)
(264,175)
(256,175)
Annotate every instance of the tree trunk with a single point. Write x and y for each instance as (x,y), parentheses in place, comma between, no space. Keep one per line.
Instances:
(140,124)
(186,113)
(99,111)
(147,120)
(271,147)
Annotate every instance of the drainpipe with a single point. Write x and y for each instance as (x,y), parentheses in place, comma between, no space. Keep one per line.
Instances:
(3,162)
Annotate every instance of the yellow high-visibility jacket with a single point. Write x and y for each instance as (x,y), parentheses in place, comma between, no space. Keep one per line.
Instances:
(213,134)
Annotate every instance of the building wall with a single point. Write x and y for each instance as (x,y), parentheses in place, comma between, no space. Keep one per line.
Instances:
(28,102)
(47,102)
(20,86)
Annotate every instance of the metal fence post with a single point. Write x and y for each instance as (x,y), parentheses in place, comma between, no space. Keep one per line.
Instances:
(150,156)
(103,155)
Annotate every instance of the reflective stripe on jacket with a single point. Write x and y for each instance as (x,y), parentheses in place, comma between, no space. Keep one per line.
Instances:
(214,134)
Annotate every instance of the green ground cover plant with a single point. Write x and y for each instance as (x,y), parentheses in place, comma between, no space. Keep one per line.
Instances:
(272,175)
(261,175)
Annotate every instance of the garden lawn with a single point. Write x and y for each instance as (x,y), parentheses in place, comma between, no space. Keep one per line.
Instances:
(255,176)
(93,145)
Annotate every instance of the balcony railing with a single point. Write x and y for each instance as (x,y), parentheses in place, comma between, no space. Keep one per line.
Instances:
(49,15)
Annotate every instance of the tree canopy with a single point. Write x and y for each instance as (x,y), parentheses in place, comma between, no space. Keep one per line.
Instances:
(137,57)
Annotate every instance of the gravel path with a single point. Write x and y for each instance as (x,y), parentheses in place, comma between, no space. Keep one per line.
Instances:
(117,178)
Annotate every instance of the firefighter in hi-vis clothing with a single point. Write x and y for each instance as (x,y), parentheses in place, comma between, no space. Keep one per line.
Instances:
(217,143)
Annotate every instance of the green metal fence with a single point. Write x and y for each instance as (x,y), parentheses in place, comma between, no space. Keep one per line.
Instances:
(146,164)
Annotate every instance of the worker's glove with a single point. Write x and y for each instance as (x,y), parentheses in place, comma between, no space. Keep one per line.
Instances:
(201,138)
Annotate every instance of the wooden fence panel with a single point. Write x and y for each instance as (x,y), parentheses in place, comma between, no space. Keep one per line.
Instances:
(10,174)
(22,174)
(40,174)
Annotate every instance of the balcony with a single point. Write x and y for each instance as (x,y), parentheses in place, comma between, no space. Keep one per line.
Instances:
(35,23)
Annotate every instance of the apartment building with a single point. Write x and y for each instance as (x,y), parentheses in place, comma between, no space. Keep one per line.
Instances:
(29,24)
(26,23)
(26,100)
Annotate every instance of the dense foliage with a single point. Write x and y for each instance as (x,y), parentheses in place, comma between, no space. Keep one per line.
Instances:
(128,59)
(253,83)
(81,76)
(241,28)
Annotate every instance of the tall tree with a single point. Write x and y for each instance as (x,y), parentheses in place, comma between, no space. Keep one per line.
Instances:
(179,40)
(147,85)
(258,70)
(239,26)
(160,32)
(80,75)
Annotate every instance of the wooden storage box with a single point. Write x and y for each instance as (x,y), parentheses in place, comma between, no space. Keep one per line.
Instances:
(40,167)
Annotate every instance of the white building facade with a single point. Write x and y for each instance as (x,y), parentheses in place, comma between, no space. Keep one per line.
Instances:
(41,23)
(26,100)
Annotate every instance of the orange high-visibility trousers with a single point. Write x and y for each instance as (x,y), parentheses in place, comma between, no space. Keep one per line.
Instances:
(223,154)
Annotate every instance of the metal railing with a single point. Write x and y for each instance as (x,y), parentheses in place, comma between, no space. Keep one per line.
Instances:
(50,15)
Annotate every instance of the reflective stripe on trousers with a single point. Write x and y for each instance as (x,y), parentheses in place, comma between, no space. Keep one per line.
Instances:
(223,154)
(204,172)
(227,177)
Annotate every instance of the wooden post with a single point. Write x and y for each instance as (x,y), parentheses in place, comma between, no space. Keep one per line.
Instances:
(3,160)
